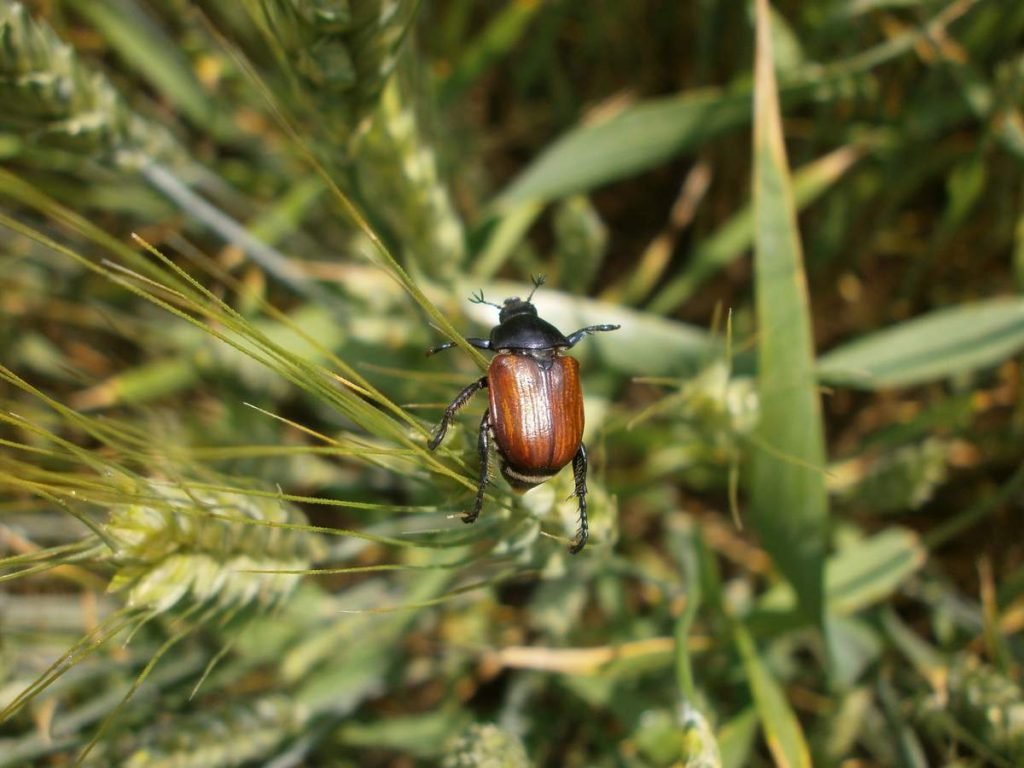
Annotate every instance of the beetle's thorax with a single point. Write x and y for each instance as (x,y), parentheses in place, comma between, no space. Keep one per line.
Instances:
(520,330)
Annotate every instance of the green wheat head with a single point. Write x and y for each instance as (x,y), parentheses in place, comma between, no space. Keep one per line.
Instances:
(344,61)
(188,548)
(341,53)
(231,736)
(53,101)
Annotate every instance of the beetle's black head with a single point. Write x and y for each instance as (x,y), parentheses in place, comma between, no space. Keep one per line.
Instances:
(513,306)
(519,328)
(516,307)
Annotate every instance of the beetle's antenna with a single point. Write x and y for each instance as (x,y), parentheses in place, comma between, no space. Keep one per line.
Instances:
(478,298)
(538,281)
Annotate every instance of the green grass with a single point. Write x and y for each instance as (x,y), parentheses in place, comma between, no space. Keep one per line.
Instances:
(228,232)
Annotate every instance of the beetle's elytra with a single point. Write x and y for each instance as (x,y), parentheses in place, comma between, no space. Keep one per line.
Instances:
(535,416)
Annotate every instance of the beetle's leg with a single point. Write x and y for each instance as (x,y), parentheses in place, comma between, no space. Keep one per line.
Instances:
(440,348)
(472,341)
(575,338)
(484,449)
(579,473)
(451,410)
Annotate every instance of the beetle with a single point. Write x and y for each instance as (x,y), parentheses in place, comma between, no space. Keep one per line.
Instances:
(535,416)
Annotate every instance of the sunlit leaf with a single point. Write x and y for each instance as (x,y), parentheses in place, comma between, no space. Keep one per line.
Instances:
(947,342)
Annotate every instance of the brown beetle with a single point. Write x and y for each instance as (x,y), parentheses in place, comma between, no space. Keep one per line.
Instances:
(535,416)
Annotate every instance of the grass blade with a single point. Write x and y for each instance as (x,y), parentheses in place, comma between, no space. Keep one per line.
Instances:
(873,569)
(782,730)
(789,504)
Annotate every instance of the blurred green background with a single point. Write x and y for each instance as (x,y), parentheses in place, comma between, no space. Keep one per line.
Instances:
(228,232)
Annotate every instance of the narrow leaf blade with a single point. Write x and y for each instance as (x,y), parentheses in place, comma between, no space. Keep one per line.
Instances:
(789,504)
(782,731)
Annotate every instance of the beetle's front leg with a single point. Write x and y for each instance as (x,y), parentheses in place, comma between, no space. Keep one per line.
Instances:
(451,410)
(579,473)
(577,336)
(484,449)
(471,340)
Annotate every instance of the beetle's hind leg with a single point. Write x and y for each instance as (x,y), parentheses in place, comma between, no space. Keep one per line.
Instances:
(484,449)
(451,410)
(579,473)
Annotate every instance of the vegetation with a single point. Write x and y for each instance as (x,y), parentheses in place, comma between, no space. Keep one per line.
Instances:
(228,231)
